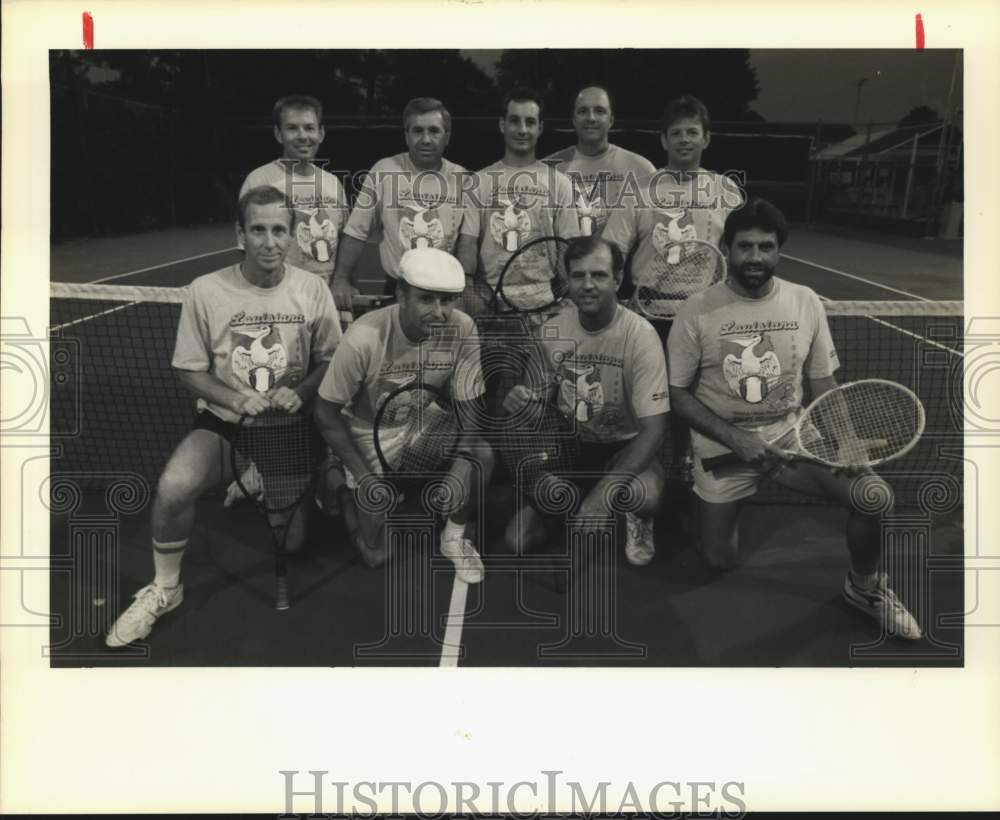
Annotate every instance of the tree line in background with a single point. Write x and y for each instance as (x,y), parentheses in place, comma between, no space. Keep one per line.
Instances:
(379,82)
(165,138)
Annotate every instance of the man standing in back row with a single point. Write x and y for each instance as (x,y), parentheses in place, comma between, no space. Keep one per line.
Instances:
(316,195)
(515,200)
(599,170)
(679,202)
(412,197)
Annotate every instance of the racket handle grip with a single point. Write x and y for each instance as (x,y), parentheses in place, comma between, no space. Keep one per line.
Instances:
(281,594)
(725,460)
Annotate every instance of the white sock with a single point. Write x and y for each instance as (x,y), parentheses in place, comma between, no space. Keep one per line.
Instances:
(453,531)
(167,557)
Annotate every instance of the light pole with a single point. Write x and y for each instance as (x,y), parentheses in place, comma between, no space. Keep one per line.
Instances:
(857,100)
(861,84)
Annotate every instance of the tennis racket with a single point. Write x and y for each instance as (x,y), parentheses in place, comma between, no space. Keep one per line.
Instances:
(414,429)
(285,448)
(856,425)
(538,442)
(534,278)
(691,267)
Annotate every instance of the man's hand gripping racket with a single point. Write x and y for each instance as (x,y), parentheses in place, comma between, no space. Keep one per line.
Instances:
(852,427)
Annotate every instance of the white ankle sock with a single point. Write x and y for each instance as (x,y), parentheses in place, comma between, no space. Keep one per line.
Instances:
(453,531)
(167,557)
(864,581)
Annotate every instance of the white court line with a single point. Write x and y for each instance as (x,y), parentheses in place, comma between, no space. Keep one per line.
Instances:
(903,330)
(57,328)
(163,265)
(857,278)
(452,644)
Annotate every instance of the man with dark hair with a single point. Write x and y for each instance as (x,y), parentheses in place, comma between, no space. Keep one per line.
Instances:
(421,338)
(316,195)
(598,169)
(253,337)
(603,366)
(679,202)
(739,353)
(516,200)
(411,198)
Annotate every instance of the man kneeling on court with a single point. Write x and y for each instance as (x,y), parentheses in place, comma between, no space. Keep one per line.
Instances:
(253,337)
(602,365)
(422,340)
(738,354)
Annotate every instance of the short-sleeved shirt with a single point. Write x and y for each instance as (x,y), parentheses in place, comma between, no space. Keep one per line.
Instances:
(607,379)
(255,338)
(745,359)
(508,207)
(598,181)
(375,357)
(670,207)
(411,207)
(320,213)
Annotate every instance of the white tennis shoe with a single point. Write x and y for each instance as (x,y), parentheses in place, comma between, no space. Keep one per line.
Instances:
(881,603)
(136,622)
(468,565)
(639,546)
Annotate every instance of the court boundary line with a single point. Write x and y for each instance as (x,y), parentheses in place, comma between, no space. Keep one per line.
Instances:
(162,265)
(903,330)
(451,644)
(856,277)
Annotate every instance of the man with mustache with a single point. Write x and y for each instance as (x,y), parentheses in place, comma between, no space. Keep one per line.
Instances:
(739,354)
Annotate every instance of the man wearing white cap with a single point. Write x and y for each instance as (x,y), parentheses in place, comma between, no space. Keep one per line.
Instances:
(386,349)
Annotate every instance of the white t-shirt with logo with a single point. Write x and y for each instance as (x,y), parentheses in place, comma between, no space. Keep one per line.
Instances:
(255,338)
(607,379)
(412,208)
(671,206)
(320,213)
(506,208)
(598,181)
(745,359)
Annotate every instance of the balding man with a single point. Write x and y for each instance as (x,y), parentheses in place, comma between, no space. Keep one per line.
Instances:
(599,170)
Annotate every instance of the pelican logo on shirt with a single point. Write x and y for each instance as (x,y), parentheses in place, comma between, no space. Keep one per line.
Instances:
(316,236)
(259,358)
(679,227)
(751,366)
(510,226)
(421,228)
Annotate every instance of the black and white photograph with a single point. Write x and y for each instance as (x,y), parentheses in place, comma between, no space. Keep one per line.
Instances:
(480,432)
(646,377)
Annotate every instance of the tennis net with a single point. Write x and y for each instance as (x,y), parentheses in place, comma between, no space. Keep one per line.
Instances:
(117,406)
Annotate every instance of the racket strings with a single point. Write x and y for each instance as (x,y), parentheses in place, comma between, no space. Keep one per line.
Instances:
(285,450)
(534,277)
(863,424)
(417,429)
(537,444)
(691,267)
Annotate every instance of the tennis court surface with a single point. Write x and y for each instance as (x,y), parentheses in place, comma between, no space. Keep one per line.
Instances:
(117,411)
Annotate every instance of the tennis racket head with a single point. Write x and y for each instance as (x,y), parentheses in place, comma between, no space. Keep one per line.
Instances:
(540,444)
(285,449)
(534,278)
(414,429)
(691,267)
(861,424)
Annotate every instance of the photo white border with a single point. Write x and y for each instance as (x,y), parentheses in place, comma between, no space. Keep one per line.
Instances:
(115,740)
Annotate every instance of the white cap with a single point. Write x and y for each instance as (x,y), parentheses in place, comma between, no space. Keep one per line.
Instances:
(432,269)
